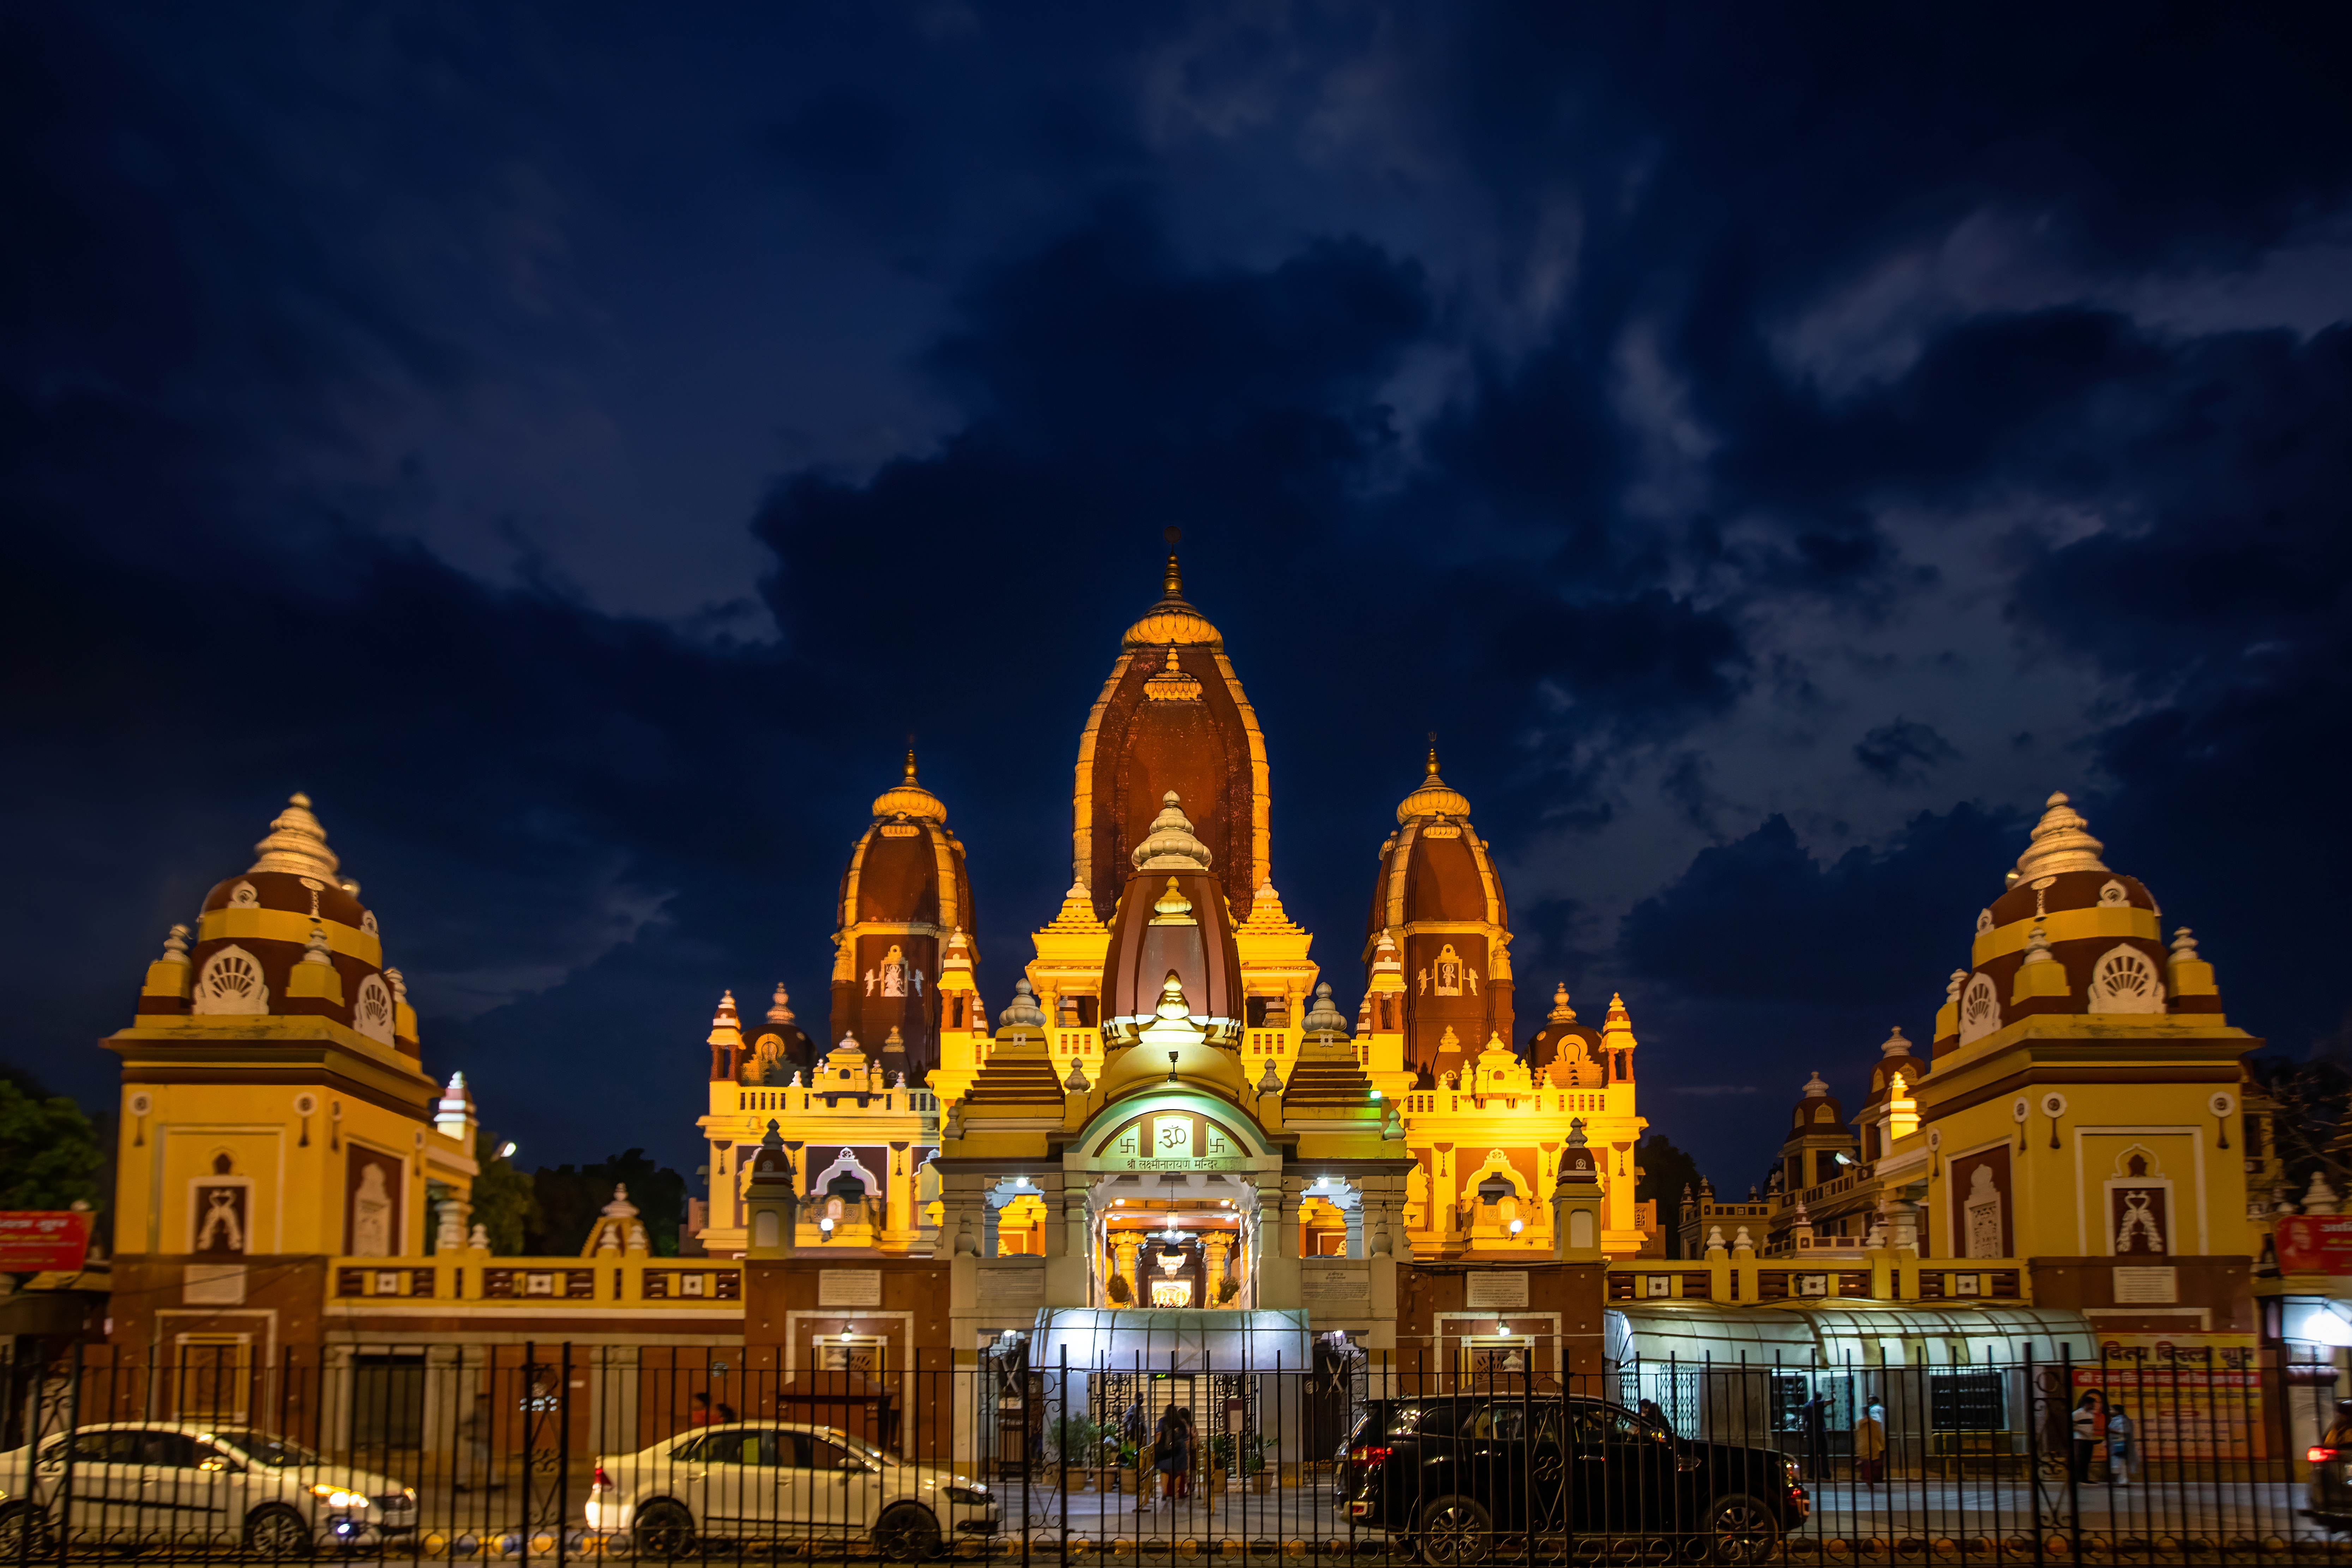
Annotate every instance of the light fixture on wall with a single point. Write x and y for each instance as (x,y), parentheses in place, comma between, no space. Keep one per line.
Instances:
(1518,1225)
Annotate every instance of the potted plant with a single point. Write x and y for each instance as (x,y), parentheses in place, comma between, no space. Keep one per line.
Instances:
(1253,1466)
(1077,1442)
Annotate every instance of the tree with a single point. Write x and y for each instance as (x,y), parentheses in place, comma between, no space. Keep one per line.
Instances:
(1665,1172)
(49,1153)
(570,1199)
(506,1202)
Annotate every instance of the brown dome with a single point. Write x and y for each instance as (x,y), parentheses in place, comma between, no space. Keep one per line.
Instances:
(1172,716)
(2062,905)
(290,938)
(1172,918)
(906,888)
(1555,1047)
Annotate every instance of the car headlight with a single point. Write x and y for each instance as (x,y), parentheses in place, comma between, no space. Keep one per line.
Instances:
(338,1498)
(408,1492)
(973,1496)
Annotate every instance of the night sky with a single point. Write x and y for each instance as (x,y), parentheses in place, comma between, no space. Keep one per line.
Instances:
(1773,447)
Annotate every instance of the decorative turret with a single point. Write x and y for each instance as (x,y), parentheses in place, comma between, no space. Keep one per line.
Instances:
(904,889)
(770,1204)
(2067,936)
(288,939)
(726,1039)
(778,1048)
(1440,903)
(1571,1051)
(1576,1201)
(1328,1079)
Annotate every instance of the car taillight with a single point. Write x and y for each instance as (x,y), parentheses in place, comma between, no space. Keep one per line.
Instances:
(2319,1455)
(1369,1456)
(600,1481)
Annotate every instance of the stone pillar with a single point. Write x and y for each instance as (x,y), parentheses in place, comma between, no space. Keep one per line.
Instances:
(1126,1244)
(961,1199)
(1069,1249)
(1353,1213)
(992,1214)
(1214,1249)
(1278,1228)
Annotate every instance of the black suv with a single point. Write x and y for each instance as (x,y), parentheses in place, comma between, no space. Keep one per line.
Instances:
(1456,1472)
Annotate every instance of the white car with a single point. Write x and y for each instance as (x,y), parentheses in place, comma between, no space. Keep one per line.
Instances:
(775,1481)
(174,1481)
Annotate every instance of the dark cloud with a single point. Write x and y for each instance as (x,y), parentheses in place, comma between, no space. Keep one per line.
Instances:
(1762,920)
(1903,752)
(1564,381)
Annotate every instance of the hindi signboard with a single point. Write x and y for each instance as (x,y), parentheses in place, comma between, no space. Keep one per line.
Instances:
(44,1241)
(2190,1396)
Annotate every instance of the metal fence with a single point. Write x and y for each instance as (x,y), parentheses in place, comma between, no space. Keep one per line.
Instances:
(548,1452)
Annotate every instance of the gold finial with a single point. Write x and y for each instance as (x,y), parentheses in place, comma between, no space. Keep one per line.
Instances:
(1173,1003)
(1432,769)
(296,844)
(2061,842)
(1173,909)
(910,759)
(1171,581)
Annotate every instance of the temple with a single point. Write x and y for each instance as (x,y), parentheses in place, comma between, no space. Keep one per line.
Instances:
(1172,1135)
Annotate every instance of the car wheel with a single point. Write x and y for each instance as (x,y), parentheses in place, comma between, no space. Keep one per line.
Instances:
(1455,1532)
(664,1531)
(18,1523)
(907,1533)
(1740,1529)
(277,1534)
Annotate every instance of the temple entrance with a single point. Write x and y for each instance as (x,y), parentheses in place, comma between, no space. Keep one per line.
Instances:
(1173,1240)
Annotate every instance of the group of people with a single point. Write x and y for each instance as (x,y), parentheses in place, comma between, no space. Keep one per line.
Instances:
(1869,1441)
(2097,1429)
(2099,1425)
(1170,1450)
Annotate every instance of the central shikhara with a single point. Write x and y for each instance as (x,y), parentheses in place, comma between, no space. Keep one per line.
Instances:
(1170,1112)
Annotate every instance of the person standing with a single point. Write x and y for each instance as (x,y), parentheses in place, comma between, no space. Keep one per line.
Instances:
(1167,1453)
(1815,1414)
(480,1471)
(1135,1434)
(2090,1433)
(1184,1475)
(1869,1447)
(2122,1447)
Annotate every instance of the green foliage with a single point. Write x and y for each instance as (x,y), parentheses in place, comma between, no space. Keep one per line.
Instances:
(1078,1440)
(1251,1445)
(1227,1289)
(506,1203)
(1117,1291)
(49,1153)
(570,1199)
(1665,1172)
